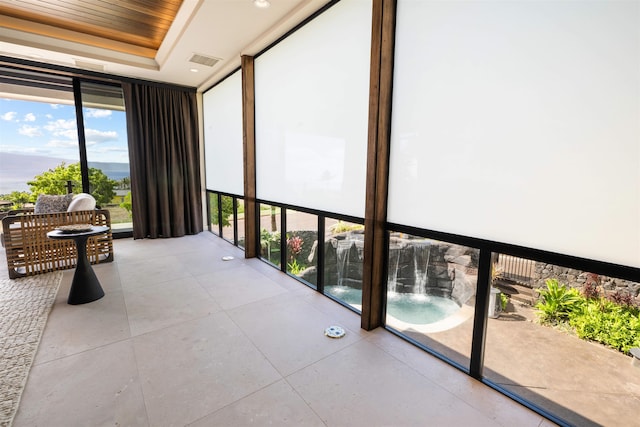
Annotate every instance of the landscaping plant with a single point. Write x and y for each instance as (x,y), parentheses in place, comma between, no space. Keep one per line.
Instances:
(342,227)
(295,268)
(612,321)
(609,323)
(294,245)
(590,290)
(504,301)
(270,245)
(621,298)
(557,302)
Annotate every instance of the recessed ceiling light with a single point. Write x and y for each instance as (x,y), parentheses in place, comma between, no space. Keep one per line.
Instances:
(193,70)
(263,4)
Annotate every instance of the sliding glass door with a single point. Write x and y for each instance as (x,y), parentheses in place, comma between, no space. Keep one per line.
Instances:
(59,135)
(105,145)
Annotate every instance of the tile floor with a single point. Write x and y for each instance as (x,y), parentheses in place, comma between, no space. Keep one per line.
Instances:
(184,338)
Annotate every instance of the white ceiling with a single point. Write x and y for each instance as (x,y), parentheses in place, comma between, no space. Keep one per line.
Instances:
(224,29)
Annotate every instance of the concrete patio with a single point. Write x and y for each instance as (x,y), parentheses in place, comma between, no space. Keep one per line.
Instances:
(585,383)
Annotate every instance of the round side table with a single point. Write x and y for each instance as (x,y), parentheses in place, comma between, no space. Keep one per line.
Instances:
(85,286)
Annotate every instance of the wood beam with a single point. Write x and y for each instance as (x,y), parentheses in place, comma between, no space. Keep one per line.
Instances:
(249,157)
(380,92)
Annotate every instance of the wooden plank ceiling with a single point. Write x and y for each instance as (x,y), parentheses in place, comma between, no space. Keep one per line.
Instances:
(130,26)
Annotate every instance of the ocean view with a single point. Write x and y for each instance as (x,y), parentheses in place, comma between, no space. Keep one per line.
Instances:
(17,169)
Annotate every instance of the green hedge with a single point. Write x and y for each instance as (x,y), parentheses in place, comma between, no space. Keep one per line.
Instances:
(596,319)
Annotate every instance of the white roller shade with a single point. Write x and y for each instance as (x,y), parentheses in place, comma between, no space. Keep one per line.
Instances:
(222,107)
(520,122)
(311,112)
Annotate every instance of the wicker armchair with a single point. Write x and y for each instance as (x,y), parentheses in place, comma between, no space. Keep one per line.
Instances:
(30,252)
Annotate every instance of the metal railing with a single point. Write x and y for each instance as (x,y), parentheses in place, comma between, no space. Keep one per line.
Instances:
(514,269)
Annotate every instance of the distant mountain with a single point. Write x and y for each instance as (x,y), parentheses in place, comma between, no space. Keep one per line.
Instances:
(115,171)
(17,169)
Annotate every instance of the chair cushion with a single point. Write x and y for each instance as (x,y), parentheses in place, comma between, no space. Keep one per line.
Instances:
(52,203)
(82,202)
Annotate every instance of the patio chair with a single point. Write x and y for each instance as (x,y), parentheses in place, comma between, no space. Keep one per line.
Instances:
(28,249)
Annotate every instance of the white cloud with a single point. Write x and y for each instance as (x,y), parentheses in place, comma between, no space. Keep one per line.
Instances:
(115,150)
(19,149)
(68,133)
(9,116)
(120,153)
(29,117)
(59,143)
(97,113)
(29,131)
(63,133)
(59,126)
(97,136)
(56,106)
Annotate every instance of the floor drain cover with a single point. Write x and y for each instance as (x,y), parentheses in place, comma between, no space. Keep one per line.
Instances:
(334,332)
(227,258)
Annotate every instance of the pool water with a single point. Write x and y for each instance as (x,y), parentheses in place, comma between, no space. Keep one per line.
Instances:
(347,294)
(407,307)
(420,309)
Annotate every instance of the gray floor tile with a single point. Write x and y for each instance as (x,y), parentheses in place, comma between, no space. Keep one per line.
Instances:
(99,387)
(183,337)
(192,369)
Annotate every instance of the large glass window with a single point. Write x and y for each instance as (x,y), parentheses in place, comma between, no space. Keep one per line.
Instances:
(41,149)
(39,133)
(36,137)
(270,233)
(557,329)
(431,289)
(302,245)
(228,218)
(214,213)
(343,261)
(240,222)
(105,130)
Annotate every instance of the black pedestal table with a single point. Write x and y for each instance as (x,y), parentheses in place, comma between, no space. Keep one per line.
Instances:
(85,286)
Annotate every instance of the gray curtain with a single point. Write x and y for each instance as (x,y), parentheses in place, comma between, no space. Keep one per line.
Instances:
(162,127)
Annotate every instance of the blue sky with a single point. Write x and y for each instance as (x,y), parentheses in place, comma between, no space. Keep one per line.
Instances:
(44,129)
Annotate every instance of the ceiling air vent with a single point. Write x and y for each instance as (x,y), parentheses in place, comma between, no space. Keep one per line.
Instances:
(209,61)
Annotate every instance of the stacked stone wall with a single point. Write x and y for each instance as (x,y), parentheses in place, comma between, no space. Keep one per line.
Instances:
(353,244)
(451,270)
(577,279)
(448,270)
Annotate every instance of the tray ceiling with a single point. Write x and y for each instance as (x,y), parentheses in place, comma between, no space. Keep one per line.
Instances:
(138,26)
(147,39)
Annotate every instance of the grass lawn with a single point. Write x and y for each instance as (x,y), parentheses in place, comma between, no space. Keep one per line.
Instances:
(118,214)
